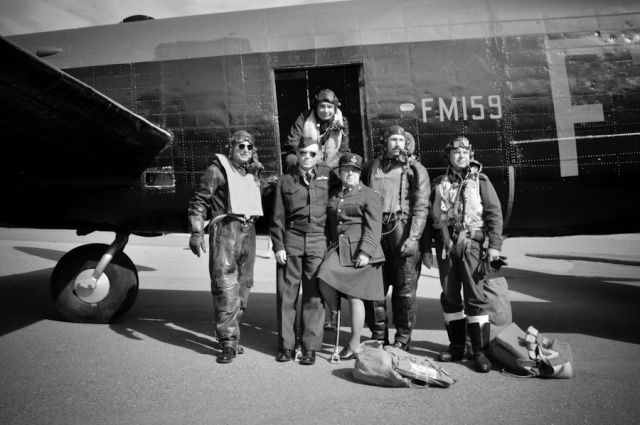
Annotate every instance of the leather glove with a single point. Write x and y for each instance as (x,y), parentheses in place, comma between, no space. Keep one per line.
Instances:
(409,248)
(427,259)
(493,254)
(496,264)
(254,166)
(197,243)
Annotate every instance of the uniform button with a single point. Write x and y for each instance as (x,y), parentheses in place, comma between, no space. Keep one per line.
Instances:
(341,199)
(339,210)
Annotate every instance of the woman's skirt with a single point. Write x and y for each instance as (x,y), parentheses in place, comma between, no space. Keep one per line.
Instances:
(364,283)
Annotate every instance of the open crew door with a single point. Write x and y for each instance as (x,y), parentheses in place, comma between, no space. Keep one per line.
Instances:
(296,87)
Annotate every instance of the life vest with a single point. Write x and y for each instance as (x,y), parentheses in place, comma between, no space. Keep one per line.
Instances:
(329,141)
(461,208)
(244,191)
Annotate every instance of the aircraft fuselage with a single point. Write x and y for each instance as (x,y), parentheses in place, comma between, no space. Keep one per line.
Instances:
(550,104)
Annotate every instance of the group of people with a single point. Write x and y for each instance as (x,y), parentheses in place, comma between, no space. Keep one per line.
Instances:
(342,228)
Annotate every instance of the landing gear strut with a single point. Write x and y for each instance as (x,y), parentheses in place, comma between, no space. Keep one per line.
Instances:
(95,283)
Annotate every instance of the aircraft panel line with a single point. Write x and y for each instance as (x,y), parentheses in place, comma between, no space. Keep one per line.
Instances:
(555,139)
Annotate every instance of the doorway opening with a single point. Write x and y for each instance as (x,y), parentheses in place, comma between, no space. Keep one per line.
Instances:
(296,87)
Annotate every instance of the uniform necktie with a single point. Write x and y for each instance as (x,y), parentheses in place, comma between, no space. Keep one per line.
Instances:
(308,177)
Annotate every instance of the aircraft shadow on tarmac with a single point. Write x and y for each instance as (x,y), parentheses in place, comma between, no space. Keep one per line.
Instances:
(583,305)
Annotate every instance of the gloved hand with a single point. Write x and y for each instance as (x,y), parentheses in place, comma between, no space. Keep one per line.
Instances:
(254,166)
(493,254)
(409,248)
(427,259)
(197,243)
(497,264)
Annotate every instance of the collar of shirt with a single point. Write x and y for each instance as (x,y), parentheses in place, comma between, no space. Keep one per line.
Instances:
(304,173)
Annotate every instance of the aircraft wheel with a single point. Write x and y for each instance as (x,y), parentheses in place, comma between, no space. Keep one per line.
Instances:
(114,292)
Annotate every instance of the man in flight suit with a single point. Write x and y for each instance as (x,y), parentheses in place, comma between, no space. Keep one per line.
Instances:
(466,211)
(403,184)
(229,196)
(299,243)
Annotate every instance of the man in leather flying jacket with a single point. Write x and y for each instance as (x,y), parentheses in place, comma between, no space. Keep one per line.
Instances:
(404,187)
(229,196)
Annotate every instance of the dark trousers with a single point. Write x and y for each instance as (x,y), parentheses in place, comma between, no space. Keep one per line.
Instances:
(232,253)
(459,272)
(299,270)
(402,274)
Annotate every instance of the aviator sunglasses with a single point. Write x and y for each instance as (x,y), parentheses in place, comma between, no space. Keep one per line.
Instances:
(249,146)
(311,154)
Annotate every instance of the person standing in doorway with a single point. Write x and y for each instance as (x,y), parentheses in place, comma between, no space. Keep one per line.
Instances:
(324,124)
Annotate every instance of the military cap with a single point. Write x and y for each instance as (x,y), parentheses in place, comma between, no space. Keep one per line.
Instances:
(350,160)
(326,95)
(305,142)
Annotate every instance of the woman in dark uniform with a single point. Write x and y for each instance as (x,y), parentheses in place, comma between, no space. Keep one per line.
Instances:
(352,266)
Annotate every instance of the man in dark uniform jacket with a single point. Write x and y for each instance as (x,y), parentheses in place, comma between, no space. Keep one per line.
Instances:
(299,243)
(229,196)
(404,187)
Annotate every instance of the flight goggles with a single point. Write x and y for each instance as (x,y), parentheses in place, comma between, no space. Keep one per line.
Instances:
(459,142)
(327,95)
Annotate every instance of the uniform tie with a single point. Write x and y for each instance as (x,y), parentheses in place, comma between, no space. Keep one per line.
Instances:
(308,176)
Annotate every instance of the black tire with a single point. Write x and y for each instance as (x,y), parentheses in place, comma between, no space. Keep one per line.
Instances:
(123,289)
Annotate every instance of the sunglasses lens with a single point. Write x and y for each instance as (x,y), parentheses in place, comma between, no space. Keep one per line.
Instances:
(242,146)
(305,153)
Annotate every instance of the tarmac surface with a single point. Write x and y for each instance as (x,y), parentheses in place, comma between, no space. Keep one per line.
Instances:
(156,365)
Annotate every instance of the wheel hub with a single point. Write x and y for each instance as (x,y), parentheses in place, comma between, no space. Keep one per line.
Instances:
(89,290)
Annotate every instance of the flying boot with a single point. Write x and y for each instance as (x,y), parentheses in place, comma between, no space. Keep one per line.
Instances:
(456,325)
(479,334)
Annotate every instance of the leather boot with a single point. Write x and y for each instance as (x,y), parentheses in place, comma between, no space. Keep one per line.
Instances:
(457,331)
(479,335)
(227,355)
(376,319)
